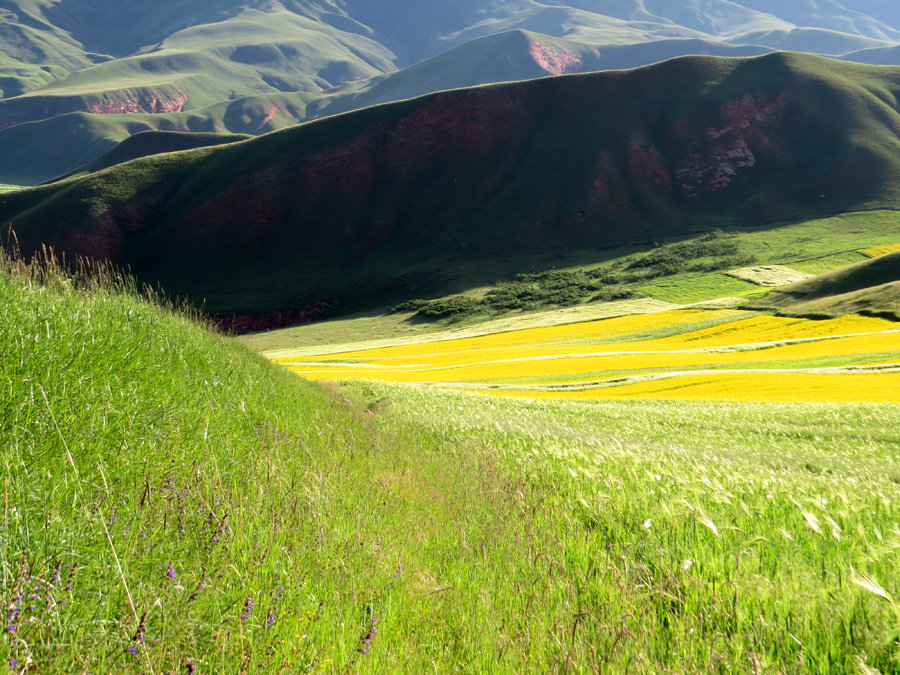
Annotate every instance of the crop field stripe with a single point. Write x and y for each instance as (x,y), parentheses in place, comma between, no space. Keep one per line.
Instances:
(760,329)
(562,363)
(737,348)
(785,387)
(693,354)
(569,317)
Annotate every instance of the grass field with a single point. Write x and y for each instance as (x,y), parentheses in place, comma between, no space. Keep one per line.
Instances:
(173,503)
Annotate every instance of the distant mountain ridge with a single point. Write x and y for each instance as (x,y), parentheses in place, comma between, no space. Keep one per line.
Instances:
(381,204)
(198,58)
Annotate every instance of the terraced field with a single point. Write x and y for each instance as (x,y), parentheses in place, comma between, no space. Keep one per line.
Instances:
(676,354)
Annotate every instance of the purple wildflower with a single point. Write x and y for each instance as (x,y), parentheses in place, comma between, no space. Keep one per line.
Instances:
(271,620)
(139,635)
(12,662)
(369,637)
(248,609)
(170,572)
(132,649)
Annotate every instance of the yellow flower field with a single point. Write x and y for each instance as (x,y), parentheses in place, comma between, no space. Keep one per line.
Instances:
(777,387)
(671,354)
(876,251)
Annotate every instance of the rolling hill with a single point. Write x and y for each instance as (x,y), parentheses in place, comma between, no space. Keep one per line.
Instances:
(197,65)
(366,208)
(27,158)
(869,287)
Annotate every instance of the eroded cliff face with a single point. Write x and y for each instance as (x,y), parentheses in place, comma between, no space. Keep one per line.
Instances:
(147,103)
(26,108)
(554,61)
(722,152)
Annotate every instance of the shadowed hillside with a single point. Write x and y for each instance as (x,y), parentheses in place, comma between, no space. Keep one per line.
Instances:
(252,66)
(379,205)
(869,287)
(26,157)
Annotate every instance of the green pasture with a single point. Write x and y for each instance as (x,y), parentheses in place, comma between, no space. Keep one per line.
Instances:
(173,502)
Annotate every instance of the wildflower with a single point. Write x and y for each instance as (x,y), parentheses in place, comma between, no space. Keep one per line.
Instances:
(369,637)
(132,649)
(271,620)
(12,662)
(248,609)
(170,572)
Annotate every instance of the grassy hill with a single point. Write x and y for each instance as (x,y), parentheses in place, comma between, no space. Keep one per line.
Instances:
(59,57)
(149,143)
(172,503)
(868,287)
(26,156)
(395,196)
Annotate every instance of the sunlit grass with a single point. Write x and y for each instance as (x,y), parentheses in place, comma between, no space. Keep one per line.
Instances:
(771,524)
(173,503)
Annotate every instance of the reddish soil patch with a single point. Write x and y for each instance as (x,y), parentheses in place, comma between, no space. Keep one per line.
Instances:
(554,61)
(144,104)
(271,114)
(727,149)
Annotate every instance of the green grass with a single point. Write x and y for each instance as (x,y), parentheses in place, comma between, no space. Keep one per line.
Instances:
(157,478)
(871,286)
(700,538)
(134,437)
(686,289)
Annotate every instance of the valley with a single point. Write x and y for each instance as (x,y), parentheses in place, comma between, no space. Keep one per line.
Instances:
(456,336)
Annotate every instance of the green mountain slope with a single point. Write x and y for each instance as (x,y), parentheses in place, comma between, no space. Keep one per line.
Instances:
(201,56)
(27,158)
(151,464)
(870,287)
(369,207)
(149,143)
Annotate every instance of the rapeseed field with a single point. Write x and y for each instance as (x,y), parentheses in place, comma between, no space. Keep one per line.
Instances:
(685,354)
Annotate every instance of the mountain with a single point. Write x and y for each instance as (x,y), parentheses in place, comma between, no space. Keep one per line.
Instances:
(869,287)
(27,158)
(369,207)
(190,64)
